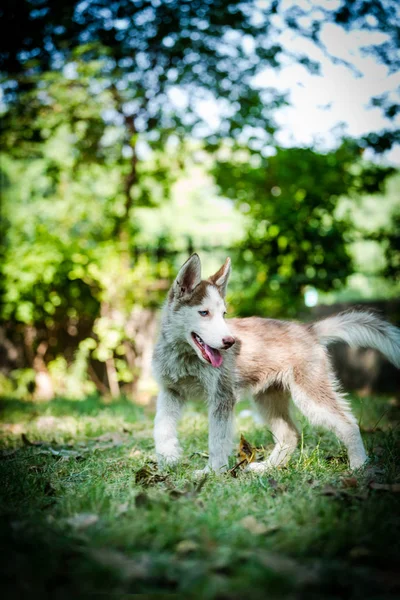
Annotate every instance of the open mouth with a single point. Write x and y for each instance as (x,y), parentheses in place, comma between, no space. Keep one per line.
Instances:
(211,355)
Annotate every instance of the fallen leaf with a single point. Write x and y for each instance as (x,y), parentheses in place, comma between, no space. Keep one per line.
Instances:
(385,487)
(186,546)
(234,471)
(349,482)
(82,521)
(247,452)
(255,527)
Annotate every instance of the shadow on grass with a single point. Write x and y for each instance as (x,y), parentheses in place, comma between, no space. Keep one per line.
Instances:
(94,405)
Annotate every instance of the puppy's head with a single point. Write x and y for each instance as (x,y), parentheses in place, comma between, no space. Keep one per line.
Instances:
(199,309)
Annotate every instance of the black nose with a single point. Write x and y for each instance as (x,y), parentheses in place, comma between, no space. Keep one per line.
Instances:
(228,342)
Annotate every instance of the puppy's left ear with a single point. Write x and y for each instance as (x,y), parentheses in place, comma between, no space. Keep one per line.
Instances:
(220,278)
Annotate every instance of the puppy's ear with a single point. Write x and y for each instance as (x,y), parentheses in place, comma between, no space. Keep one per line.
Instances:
(189,276)
(220,278)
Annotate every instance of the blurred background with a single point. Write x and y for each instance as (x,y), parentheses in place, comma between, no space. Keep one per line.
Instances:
(135,132)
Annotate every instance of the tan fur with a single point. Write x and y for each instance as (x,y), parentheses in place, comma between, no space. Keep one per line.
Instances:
(272,360)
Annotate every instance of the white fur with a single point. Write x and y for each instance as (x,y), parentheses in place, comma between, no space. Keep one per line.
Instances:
(290,362)
(361,329)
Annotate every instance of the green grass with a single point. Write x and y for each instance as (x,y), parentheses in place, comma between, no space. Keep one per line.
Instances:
(169,535)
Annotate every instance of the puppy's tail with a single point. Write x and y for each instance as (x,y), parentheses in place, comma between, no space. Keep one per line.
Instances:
(361,329)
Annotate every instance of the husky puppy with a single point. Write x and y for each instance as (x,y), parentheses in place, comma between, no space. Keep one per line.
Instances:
(199,353)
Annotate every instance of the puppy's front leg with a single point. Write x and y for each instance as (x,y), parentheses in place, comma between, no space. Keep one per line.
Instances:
(220,429)
(165,428)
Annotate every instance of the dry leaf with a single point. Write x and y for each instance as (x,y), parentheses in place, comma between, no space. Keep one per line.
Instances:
(255,527)
(234,471)
(246,455)
(82,521)
(385,487)
(247,452)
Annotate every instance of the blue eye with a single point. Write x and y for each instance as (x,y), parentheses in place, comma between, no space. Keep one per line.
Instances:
(203,313)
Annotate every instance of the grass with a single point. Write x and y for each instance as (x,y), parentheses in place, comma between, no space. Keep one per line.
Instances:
(80,517)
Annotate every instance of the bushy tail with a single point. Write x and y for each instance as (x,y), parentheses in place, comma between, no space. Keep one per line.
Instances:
(361,329)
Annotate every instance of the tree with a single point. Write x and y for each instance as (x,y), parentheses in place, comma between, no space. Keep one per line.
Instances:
(101,102)
(294,238)
(95,81)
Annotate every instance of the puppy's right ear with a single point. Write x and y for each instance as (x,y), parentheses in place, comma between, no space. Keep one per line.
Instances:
(188,277)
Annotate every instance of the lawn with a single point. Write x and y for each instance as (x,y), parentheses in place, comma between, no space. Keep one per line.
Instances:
(85,513)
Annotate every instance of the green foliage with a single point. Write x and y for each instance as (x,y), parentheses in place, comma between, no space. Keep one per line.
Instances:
(294,239)
(103,103)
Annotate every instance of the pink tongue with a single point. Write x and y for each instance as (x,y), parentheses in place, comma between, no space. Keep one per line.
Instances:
(214,356)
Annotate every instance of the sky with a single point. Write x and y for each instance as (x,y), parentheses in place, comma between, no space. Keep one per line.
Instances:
(340,95)
(335,102)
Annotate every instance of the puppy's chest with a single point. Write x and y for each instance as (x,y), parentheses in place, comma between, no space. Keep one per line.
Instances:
(188,377)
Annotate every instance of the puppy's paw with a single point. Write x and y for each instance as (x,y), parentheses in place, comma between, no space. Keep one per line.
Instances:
(200,473)
(360,462)
(258,468)
(169,455)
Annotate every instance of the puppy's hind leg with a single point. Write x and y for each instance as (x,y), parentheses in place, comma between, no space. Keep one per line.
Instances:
(319,401)
(273,406)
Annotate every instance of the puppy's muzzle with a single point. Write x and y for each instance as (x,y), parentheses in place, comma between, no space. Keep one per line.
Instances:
(228,342)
